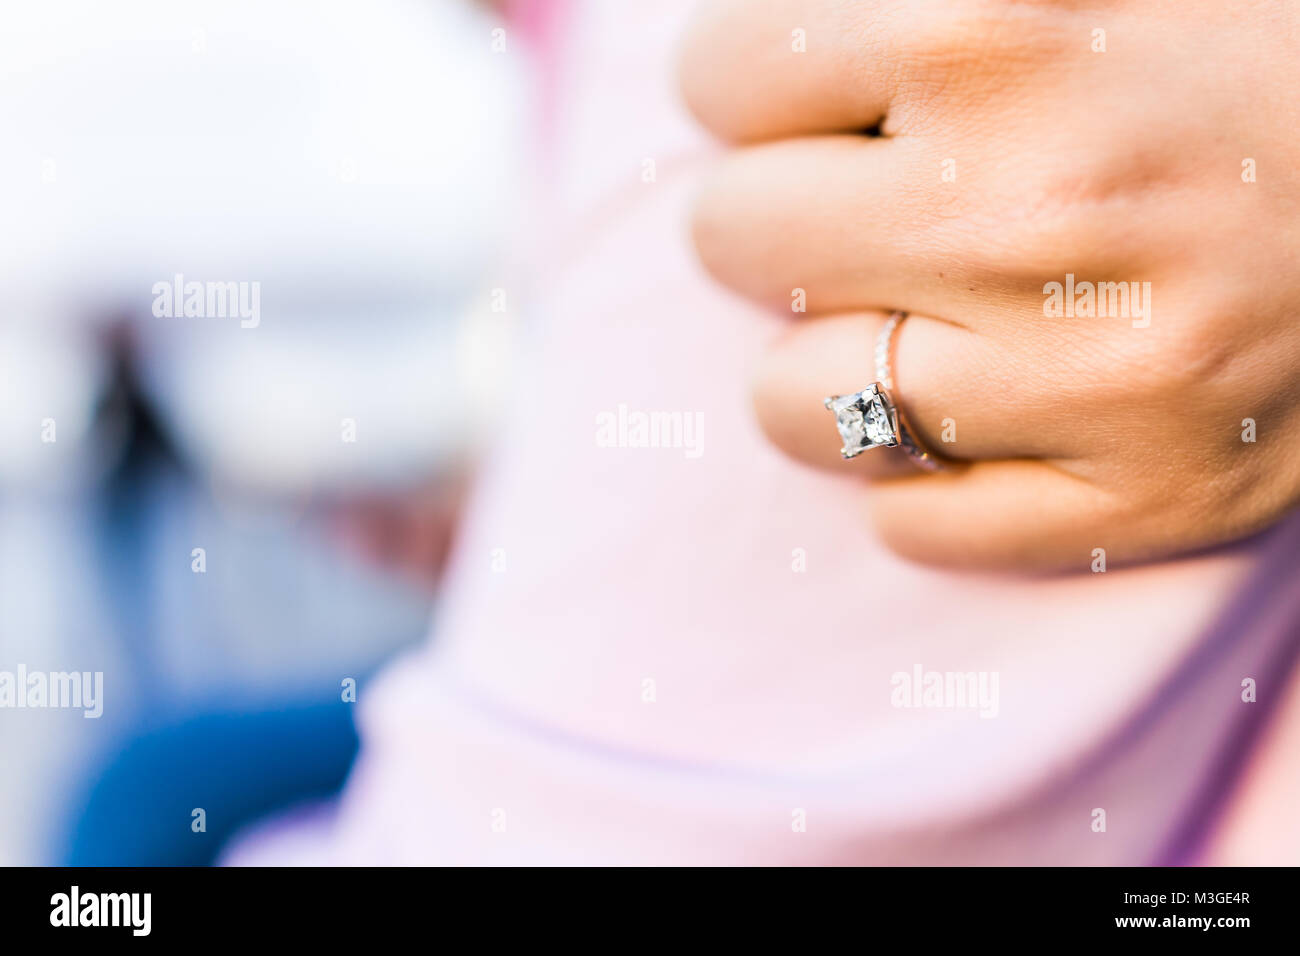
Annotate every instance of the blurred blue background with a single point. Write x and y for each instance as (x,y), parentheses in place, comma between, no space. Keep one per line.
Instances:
(357,162)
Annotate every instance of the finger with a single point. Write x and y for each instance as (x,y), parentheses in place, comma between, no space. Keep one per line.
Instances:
(763,69)
(1007,515)
(844,223)
(958,390)
(756,70)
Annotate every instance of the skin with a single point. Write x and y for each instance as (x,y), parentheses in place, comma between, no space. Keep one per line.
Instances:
(1072,433)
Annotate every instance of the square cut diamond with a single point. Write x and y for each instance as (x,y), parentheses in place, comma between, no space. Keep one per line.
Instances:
(864,421)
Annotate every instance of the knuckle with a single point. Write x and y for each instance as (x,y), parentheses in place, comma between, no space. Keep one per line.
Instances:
(1041,226)
(1184,351)
(1035,216)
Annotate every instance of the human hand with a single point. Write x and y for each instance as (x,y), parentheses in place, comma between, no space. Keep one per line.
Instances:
(1020,146)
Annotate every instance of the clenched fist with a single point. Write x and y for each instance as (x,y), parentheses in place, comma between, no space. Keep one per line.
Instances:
(1091,213)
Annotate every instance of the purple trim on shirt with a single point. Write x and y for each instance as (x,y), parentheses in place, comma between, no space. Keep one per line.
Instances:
(1271,602)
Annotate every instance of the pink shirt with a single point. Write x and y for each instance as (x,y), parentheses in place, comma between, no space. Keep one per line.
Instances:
(651,657)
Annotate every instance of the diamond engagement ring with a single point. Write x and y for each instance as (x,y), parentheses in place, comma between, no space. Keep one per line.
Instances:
(871,418)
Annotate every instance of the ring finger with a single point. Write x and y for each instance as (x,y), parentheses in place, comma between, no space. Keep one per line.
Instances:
(958,389)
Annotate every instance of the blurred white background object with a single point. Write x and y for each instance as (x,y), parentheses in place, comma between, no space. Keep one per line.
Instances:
(352,159)
(357,162)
